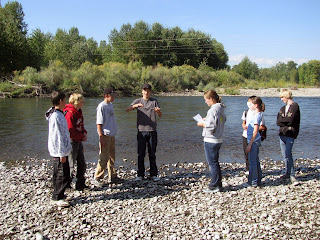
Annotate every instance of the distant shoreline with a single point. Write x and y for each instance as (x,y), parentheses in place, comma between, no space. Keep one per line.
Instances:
(242,92)
(262,92)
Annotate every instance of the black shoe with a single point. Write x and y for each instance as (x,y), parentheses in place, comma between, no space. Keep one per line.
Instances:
(81,188)
(116,180)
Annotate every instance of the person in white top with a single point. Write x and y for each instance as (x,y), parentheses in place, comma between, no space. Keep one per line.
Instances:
(59,146)
(107,129)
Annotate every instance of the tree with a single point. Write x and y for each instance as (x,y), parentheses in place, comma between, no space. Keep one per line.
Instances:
(72,49)
(247,69)
(36,45)
(170,47)
(13,41)
(309,73)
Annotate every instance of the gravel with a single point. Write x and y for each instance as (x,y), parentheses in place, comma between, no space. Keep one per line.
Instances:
(173,208)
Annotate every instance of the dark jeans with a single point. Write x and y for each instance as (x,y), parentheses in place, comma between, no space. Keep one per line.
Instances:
(147,139)
(212,155)
(77,157)
(61,178)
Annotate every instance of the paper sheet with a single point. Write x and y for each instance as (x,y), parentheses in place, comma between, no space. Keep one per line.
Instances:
(198,118)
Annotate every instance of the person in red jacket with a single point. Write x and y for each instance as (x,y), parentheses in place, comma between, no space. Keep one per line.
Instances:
(77,134)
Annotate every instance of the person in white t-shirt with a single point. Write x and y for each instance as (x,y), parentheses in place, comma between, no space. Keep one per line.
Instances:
(107,129)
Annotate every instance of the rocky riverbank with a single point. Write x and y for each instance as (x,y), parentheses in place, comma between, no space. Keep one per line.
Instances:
(173,208)
(245,92)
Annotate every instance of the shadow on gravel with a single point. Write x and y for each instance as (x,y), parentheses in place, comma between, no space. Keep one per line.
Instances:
(132,189)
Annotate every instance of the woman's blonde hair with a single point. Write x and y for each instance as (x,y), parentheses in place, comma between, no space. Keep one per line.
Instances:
(286,93)
(212,94)
(76,98)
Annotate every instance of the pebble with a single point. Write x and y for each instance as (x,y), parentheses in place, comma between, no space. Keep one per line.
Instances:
(173,208)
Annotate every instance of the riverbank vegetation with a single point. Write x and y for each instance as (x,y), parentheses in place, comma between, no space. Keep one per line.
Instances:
(170,59)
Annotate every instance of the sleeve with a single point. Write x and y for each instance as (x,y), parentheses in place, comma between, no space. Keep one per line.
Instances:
(290,118)
(243,118)
(71,121)
(135,102)
(262,120)
(61,137)
(99,115)
(157,103)
(211,121)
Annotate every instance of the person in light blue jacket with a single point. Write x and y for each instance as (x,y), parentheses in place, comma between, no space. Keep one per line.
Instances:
(213,127)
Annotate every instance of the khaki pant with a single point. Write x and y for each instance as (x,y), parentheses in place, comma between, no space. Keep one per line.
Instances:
(106,159)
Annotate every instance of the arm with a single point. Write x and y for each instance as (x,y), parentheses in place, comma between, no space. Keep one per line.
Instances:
(244,125)
(100,132)
(134,106)
(158,111)
(74,133)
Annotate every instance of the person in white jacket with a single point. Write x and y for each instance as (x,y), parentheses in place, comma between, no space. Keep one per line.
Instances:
(213,127)
(59,146)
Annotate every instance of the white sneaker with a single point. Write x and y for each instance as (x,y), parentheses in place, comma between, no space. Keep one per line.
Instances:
(138,178)
(155,178)
(215,190)
(60,203)
(97,183)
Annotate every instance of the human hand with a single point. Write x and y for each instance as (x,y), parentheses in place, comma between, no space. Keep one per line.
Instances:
(63,159)
(248,149)
(102,141)
(84,137)
(157,109)
(200,124)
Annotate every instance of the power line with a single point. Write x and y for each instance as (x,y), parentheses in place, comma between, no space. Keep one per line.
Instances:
(158,40)
(153,54)
(181,47)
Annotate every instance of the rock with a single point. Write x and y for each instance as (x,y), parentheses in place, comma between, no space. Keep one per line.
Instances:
(172,208)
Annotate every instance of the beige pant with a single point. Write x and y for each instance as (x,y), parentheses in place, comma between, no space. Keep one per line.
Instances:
(106,159)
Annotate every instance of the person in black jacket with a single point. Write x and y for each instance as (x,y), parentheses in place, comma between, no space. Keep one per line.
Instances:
(288,120)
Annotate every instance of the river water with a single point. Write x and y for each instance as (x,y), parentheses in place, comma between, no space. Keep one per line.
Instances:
(23,130)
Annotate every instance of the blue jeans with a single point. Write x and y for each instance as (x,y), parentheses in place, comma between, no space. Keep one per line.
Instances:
(212,155)
(286,144)
(255,173)
(147,139)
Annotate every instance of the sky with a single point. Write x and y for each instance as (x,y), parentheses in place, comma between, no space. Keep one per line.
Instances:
(267,32)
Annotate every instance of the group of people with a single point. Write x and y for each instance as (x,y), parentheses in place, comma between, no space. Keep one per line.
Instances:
(288,120)
(67,132)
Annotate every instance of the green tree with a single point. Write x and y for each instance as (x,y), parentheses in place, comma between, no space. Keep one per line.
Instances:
(13,41)
(37,43)
(309,73)
(247,69)
(72,49)
(170,47)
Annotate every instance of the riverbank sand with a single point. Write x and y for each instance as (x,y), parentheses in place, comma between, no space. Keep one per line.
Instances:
(173,208)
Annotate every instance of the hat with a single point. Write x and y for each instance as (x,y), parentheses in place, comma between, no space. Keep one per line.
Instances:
(146,85)
(109,91)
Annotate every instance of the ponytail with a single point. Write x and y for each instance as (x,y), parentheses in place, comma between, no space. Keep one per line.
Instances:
(212,94)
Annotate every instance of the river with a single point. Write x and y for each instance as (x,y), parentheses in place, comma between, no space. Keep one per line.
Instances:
(23,130)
